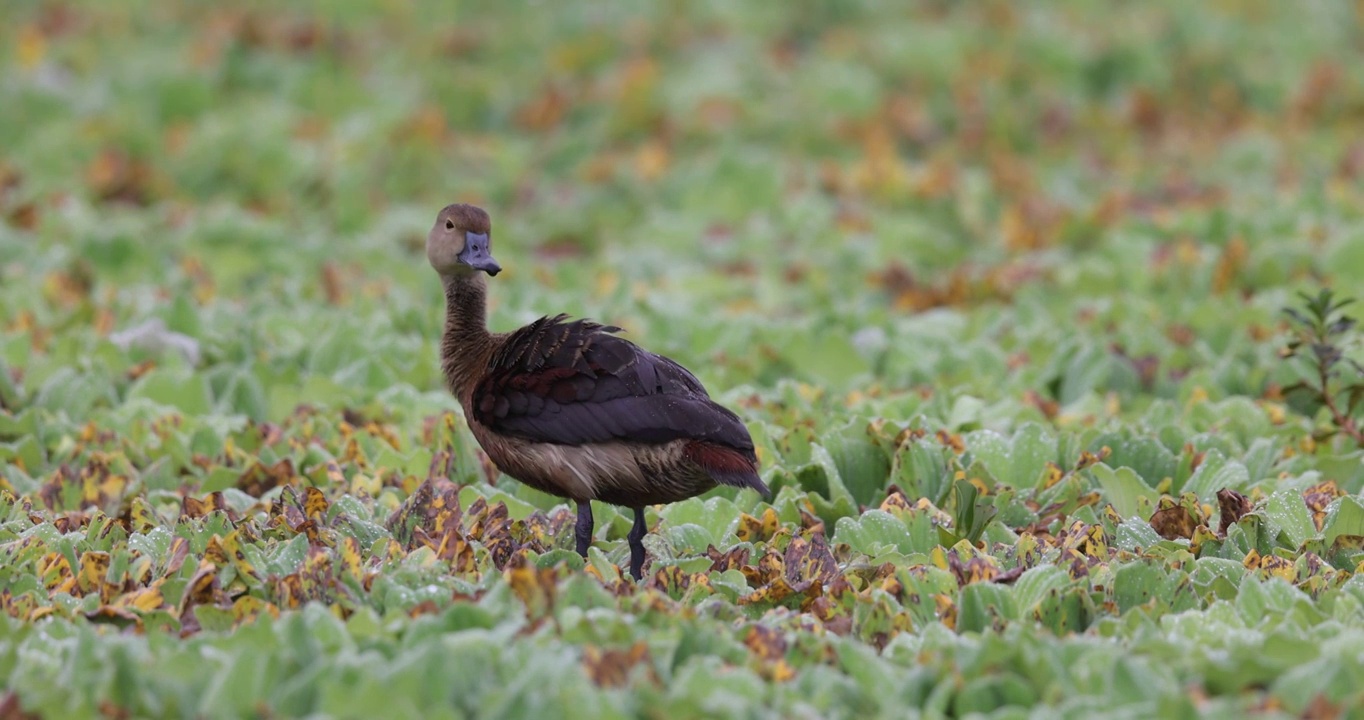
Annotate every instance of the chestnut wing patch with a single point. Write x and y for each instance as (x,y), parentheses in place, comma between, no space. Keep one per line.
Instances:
(571,383)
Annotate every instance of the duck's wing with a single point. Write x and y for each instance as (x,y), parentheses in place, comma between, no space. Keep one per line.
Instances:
(573,383)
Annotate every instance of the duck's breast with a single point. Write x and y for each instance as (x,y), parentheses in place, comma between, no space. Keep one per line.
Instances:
(572,471)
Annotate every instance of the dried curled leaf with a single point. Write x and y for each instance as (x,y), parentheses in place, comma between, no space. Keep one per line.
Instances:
(1234,506)
(1174,522)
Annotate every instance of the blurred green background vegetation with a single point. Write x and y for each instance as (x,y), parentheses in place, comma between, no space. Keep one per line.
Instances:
(911,243)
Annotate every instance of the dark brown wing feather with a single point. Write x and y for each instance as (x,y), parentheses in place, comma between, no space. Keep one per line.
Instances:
(572,383)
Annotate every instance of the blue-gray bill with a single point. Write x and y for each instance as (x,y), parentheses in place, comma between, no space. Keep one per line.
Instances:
(477,255)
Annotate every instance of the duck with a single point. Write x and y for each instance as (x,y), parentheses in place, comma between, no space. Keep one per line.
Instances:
(572,409)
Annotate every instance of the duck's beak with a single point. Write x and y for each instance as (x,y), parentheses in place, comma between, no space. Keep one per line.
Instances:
(476,254)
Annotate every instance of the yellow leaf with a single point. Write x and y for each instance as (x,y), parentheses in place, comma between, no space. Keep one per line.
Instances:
(750,528)
(651,160)
(94,568)
(247,607)
(55,571)
(535,586)
(215,553)
(350,558)
(947,611)
(781,671)
(289,591)
(766,642)
(32,47)
(314,504)
(938,557)
(363,484)
(353,454)
(98,491)
(145,599)
(143,517)
(229,549)
(141,570)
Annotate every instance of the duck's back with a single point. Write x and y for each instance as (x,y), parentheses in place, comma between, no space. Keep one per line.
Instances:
(623,424)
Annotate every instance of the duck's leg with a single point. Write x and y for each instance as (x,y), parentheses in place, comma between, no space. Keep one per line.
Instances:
(582,530)
(636,538)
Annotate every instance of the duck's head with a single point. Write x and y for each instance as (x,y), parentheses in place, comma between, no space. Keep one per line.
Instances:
(460,242)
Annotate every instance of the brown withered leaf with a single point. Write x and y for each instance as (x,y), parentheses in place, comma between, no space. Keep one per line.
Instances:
(431,509)
(260,479)
(544,111)
(1008,577)
(896,500)
(951,440)
(140,369)
(441,464)
(1319,88)
(455,548)
(752,529)
(68,521)
(1173,521)
(12,709)
(315,504)
(408,516)
(214,501)
(1270,565)
(1146,366)
(1234,506)
(270,433)
(298,35)
(179,550)
(425,607)
(96,484)
(612,667)
(537,587)
(765,642)
(203,588)
(91,580)
(810,522)
(533,532)
(333,285)
(492,527)
(117,616)
(669,579)
(1048,407)
(115,176)
(768,579)
(289,591)
(70,287)
(293,517)
(979,568)
(1319,497)
(734,559)
(1230,264)
(143,599)
(315,580)
(228,549)
(771,566)
(249,607)
(809,562)
(1322,708)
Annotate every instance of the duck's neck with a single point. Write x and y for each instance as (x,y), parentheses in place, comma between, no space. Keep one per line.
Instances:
(466,343)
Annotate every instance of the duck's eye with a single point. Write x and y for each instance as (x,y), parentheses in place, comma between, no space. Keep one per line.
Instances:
(449,225)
